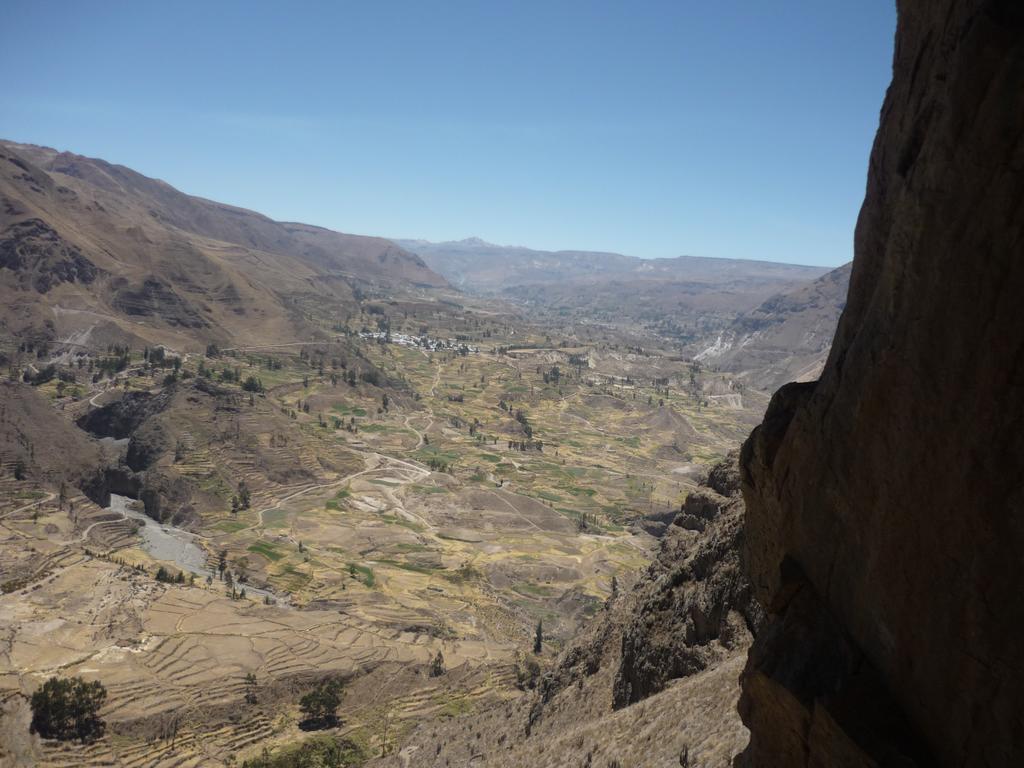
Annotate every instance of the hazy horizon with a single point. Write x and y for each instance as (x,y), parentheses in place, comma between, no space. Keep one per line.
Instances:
(657,131)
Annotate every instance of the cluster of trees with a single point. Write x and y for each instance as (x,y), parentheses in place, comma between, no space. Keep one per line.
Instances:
(694,385)
(118,360)
(553,376)
(526,445)
(439,465)
(525,422)
(68,708)
(114,559)
(158,358)
(229,375)
(370,377)
(242,499)
(43,375)
(320,706)
(164,575)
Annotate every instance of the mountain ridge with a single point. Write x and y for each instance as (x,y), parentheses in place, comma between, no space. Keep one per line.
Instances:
(99,244)
(469,263)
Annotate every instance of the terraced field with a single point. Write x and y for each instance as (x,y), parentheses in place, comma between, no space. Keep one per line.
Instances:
(355,521)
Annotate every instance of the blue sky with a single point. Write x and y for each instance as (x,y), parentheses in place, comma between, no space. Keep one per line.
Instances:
(733,129)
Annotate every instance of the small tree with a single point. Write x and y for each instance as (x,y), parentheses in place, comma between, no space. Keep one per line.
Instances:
(538,637)
(320,706)
(437,667)
(243,495)
(67,708)
(251,689)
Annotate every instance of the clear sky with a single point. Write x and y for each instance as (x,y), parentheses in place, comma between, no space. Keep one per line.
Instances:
(732,128)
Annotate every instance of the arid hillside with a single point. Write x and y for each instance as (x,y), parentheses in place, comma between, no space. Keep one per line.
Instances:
(93,254)
(787,338)
(766,322)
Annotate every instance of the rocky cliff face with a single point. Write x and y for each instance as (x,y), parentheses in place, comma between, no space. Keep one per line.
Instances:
(693,608)
(885,509)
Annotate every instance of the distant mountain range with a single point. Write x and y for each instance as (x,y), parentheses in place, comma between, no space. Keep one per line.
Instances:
(476,265)
(92,249)
(768,322)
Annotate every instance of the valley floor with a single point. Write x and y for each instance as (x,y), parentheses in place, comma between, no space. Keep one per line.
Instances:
(447,512)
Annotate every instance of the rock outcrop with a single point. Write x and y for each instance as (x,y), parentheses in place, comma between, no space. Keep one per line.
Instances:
(694,607)
(41,258)
(885,510)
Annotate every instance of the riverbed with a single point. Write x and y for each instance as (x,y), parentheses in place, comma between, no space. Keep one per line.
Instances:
(173,545)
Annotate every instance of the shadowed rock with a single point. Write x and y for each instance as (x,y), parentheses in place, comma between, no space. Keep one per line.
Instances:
(884,503)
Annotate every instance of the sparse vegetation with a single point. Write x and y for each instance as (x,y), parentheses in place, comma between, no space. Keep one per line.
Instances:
(318,752)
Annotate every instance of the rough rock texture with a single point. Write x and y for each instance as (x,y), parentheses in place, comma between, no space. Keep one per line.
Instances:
(885,509)
(690,610)
(121,418)
(694,606)
(41,258)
